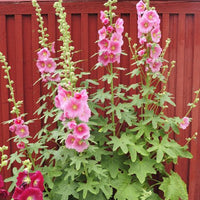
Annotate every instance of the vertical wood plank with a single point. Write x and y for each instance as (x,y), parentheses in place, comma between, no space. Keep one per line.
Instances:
(4,106)
(194,172)
(182,165)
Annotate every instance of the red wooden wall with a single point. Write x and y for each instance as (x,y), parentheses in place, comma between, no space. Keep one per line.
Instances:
(180,21)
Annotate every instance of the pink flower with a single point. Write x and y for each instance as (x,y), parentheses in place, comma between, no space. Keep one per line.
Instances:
(12,128)
(18,121)
(104,58)
(43,54)
(86,113)
(23,177)
(53,47)
(69,142)
(119,26)
(102,16)
(41,65)
(155,51)
(50,65)
(140,6)
(73,108)
(82,131)
(142,40)
(155,66)
(32,194)
(22,131)
(117,38)
(21,145)
(84,96)
(102,33)
(110,29)
(185,123)
(18,191)
(71,124)
(141,52)
(80,145)
(62,117)
(114,58)
(156,35)
(144,26)
(103,44)
(3,194)
(37,180)
(151,16)
(105,21)
(115,47)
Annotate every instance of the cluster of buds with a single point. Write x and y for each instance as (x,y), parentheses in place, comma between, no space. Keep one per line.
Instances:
(75,109)
(149,35)
(110,37)
(47,65)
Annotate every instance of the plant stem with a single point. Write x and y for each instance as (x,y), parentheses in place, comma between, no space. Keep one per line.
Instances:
(112,98)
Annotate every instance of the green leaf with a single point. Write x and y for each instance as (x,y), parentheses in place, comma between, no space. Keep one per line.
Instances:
(121,143)
(125,189)
(142,168)
(135,72)
(174,188)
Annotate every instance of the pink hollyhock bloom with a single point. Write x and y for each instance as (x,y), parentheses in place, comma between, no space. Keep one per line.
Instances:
(103,44)
(22,131)
(144,26)
(114,58)
(110,29)
(3,194)
(80,145)
(105,21)
(41,65)
(84,96)
(102,16)
(140,6)
(21,145)
(142,40)
(140,34)
(62,98)
(104,58)
(155,66)
(31,194)
(115,47)
(43,54)
(151,16)
(12,128)
(23,177)
(156,35)
(82,131)
(102,33)
(149,61)
(141,52)
(119,27)
(18,191)
(37,180)
(57,101)
(155,51)
(69,142)
(73,108)
(117,38)
(50,65)
(71,124)
(86,113)
(53,47)
(185,123)
(18,121)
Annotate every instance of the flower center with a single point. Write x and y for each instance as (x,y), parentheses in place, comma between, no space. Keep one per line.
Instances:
(113,48)
(146,24)
(49,65)
(30,198)
(74,107)
(80,129)
(22,130)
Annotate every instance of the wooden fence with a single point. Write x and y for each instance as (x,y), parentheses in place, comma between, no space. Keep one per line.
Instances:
(180,20)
